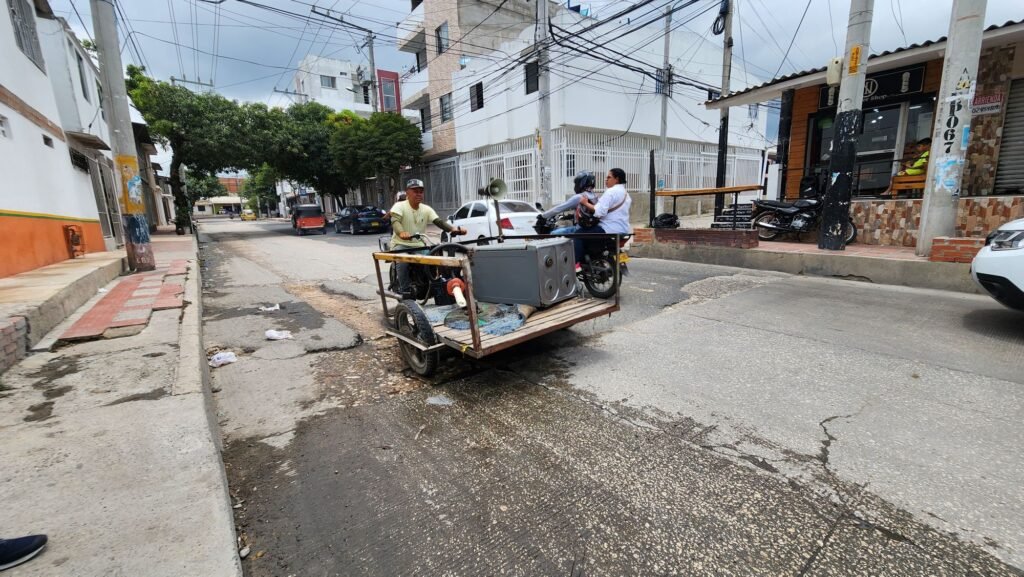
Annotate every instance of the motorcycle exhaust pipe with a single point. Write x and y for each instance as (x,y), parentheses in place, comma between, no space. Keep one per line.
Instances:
(771,226)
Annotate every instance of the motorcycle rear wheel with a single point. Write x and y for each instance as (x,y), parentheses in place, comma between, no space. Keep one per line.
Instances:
(601,279)
(767,233)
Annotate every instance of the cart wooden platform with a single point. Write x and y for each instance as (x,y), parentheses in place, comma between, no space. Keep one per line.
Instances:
(421,341)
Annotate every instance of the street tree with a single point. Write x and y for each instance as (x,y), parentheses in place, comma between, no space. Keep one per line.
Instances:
(203,131)
(260,188)
(388,143)
(308,156)
(203,186)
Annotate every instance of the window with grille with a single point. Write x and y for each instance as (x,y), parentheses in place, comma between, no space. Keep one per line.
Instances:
(446,107)
(5,127)
(476,96)
(328,81)
(23,19)
(441,34)
(532,77)
(79,160)
(366,94)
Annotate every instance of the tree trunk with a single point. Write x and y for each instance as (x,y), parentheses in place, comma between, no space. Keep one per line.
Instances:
(182,217)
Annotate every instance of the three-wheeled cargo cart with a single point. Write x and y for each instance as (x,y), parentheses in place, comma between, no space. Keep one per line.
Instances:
(422,341)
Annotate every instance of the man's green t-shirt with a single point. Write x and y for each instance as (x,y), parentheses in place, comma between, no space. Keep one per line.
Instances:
(412,221)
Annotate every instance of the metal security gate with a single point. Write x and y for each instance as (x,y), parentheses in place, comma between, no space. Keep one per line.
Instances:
(1010,171)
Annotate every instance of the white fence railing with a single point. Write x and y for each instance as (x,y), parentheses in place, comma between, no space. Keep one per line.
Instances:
(688,164)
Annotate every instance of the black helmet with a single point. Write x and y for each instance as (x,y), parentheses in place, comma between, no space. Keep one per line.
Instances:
(584,181)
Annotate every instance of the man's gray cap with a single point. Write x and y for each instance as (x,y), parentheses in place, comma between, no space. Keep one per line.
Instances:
(414,183)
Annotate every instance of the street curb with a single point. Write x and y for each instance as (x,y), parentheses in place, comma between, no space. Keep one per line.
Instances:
(910,273)
(193,377)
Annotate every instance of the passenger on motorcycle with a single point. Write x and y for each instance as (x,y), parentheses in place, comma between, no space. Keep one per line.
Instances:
(611,210)
(409,218)
(583,185)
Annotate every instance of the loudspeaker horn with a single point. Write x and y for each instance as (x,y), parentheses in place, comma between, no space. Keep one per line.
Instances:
(496,189)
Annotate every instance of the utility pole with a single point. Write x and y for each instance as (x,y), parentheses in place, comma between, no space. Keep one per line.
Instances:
(666,92)
(836,206)
(723,123)
(373,73)
(544,100)
(122,138)
(369,44)
(952,123)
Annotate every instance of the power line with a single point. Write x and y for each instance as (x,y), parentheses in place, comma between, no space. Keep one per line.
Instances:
(832,27)
(177,42)
(792,40)
(82,22)
(898,20)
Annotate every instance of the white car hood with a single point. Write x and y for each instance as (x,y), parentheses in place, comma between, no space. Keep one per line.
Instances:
(1013,225)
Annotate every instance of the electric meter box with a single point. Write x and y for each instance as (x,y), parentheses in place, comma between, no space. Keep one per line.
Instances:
(538,273)
(834,72)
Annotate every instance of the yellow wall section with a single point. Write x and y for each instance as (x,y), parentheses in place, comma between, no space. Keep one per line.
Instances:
(28,242)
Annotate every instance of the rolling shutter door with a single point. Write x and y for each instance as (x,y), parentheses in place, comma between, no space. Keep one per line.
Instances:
(1010,171)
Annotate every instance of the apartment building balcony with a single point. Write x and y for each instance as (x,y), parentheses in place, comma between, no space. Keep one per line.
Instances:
(412,36)
(415,88)
(428,140)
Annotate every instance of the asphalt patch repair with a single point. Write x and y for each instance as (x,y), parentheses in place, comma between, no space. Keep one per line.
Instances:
(518,479)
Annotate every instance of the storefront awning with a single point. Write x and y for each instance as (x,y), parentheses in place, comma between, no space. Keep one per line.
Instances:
(996,35)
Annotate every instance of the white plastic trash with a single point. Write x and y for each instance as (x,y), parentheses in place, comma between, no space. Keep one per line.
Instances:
(273,335)
(276,307)
(223,358)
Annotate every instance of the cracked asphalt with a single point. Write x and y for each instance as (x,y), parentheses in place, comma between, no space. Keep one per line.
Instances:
(725,422)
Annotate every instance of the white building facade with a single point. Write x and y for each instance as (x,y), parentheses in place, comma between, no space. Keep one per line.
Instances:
(602,116)
(47,187)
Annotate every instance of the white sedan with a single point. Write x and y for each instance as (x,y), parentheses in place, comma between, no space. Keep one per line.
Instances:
(481,220)
(999,266)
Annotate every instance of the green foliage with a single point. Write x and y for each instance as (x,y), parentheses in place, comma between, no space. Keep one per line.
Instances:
(307,156)
(260,187)
(308,143)
(203,186)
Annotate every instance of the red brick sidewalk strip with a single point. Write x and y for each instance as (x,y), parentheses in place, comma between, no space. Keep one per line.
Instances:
(130,303)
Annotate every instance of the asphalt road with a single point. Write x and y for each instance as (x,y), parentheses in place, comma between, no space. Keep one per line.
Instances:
(725,422)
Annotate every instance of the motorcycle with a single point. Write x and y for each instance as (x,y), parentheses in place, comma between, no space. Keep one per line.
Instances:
(597,272)
(425,281)
(773,218)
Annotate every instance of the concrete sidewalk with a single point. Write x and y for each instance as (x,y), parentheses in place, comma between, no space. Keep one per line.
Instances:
(860,262)
(110,448)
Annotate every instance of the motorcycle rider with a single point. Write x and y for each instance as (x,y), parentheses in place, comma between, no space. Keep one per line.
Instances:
(583,185)
(409,218)
(611,210)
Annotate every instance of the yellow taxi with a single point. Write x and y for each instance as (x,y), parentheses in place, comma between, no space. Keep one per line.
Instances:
(248,214)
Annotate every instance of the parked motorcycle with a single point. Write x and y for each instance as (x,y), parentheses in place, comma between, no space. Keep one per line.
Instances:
(773,218)
(597,272)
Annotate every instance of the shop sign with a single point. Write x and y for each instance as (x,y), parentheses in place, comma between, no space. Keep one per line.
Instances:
(880,87)
(987,104)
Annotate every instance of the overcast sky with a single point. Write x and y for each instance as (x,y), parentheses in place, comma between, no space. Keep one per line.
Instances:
(258,49)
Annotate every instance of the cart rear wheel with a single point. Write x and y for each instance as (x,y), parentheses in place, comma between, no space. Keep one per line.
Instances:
(411,322)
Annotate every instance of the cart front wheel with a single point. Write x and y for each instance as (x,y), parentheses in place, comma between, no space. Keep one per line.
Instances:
(411,322)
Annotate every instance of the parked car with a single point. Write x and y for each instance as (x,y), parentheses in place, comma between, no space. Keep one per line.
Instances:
(248,214)
(999,265)
(361,218)
(480,220)
(308,217)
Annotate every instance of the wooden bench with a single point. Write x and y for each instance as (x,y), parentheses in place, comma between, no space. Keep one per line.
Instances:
(908,182)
